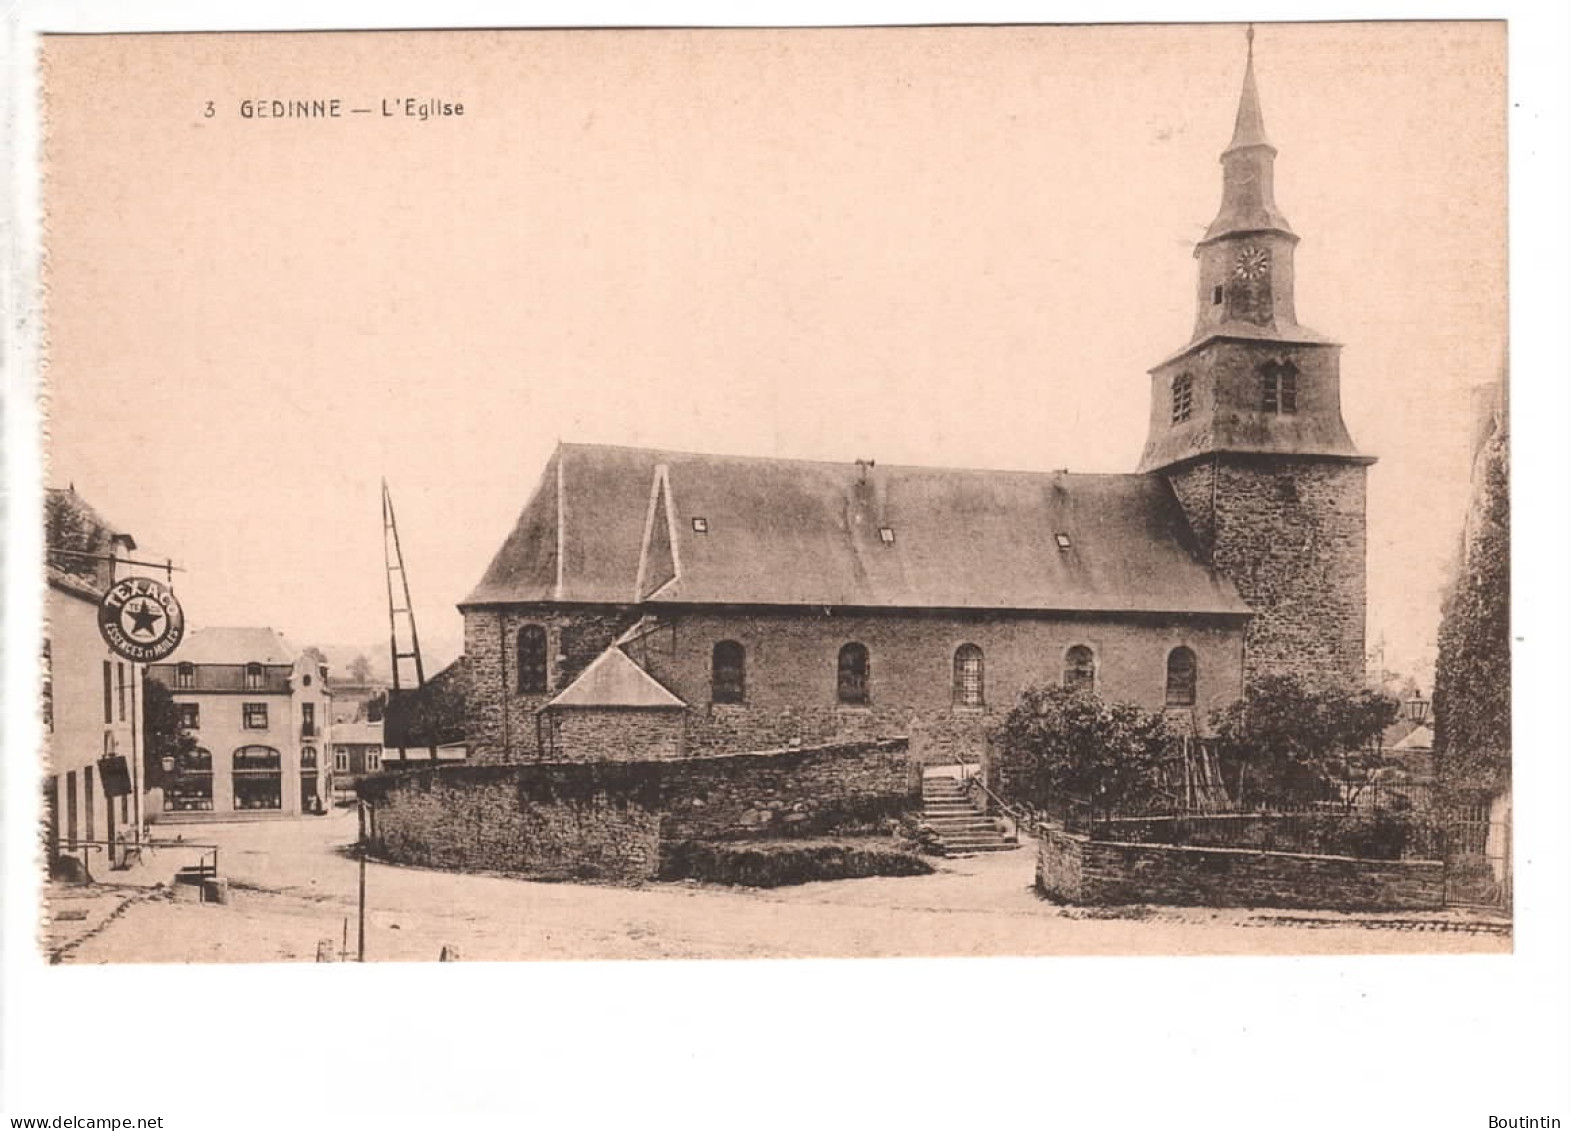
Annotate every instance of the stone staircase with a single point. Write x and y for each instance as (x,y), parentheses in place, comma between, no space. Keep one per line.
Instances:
(963,828)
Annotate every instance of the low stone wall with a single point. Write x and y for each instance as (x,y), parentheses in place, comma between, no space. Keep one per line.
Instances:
(1072,868)
(618,820)
(849,787)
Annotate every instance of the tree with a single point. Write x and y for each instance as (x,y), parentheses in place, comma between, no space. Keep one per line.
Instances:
(1065,743)
(163,736)
(1472,672)
(1285,741)
(360,669)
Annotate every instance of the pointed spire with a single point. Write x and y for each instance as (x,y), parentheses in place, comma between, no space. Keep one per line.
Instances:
(1250,127)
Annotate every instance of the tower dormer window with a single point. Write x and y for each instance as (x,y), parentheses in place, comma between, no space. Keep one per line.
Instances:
(1182,398)
(1278,387)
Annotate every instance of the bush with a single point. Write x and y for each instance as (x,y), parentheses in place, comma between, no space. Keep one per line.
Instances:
(778,863)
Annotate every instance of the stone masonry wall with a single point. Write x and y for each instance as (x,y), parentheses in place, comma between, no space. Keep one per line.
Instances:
(791,658)
(614,820)
(503,725)
(544,821)
(1291,534)
(1074,869)
(614,734)
(790,792)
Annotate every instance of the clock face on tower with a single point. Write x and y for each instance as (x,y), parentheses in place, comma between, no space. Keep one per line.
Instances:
(1251,263)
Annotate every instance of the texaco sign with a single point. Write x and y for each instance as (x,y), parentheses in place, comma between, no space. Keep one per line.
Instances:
(141,620)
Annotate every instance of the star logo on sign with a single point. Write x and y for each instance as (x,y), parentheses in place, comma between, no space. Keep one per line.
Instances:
(144,616)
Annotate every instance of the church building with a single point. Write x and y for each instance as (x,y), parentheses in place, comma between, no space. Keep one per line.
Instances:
(656,603)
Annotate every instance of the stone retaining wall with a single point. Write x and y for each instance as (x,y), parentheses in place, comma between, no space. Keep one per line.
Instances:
(613,821)
(1072,868)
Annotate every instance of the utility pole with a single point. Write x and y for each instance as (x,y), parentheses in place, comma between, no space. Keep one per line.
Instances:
(361,957)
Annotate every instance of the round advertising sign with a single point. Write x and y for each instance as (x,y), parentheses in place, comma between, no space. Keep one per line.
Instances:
(141,620)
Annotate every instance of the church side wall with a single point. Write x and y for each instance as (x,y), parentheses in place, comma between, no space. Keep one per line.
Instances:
(791,694)
(503,724)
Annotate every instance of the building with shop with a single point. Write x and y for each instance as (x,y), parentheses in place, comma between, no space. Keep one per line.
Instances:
(91,699)
(260,712)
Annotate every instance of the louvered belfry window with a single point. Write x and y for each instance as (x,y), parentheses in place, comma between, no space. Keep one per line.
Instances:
(854,683)
(531,660)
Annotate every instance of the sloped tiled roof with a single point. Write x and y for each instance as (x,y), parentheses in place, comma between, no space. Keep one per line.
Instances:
(804,533)
(236,646)
(613,680)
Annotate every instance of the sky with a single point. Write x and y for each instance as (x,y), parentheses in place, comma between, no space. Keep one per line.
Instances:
(949,246)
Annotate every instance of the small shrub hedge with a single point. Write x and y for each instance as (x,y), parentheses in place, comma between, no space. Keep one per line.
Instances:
(778,863)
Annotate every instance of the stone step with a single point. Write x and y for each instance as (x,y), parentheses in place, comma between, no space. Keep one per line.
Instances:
(1001,847)
(965,822)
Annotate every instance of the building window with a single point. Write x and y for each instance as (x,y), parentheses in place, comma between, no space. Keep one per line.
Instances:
(253,677)
(728,673)
(108,692)
(1278,387)
(1182,678)
(1216,294)
(184,676)
(190,787)
(700,525)
(1079,669)
(307,757)
(341,760)
(190,716)
(119,676)
(969,684)
(307,720)
(531,660)
(1182,398)
(854,683)
(886,535)
(254,716)
(258,778)
(373,758)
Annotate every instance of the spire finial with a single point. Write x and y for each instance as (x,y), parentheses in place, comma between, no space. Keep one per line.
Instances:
(1250,127)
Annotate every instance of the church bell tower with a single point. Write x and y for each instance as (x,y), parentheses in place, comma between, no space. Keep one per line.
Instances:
(1245,424)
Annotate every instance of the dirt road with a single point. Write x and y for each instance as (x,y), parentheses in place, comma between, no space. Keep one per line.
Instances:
(294,883)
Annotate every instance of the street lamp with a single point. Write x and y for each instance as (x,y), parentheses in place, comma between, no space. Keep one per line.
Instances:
(1416,708)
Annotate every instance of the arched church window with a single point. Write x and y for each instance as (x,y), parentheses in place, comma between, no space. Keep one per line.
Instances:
(1079,669)
(1182,398)
(531,660)
(854,678)
(1278,387)
(729,672)
(1182,678)
(969,681)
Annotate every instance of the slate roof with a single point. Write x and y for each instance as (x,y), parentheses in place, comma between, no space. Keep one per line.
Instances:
(236,646)
(611,524)
(613,680)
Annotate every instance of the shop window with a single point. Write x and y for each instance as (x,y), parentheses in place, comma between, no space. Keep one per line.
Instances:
(258,778)
(190,787)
